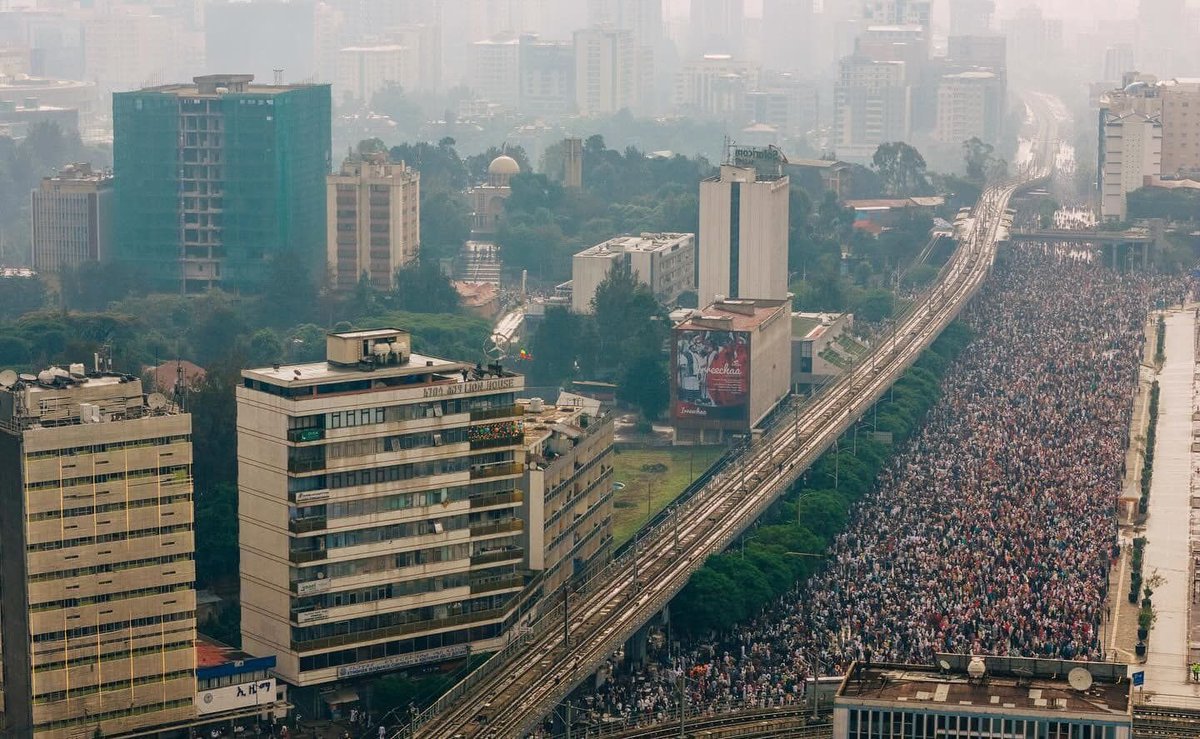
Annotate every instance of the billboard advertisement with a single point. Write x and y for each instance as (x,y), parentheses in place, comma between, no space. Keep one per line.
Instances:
(712,375)
(231,697)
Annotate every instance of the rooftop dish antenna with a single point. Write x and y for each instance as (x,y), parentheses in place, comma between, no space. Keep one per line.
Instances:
(976,668)
(25,377)
(944,665)
(1080,679)
(8,378)
(156,401)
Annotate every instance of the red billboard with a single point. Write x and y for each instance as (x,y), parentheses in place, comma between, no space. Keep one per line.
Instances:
(711,376)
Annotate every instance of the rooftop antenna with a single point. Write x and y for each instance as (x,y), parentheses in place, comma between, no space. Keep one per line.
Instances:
(278,76)
(1080,679)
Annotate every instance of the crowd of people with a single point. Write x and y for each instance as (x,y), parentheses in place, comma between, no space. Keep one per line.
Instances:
(992,531)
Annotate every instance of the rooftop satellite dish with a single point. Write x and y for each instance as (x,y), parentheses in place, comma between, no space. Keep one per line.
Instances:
(156,401)
(976,668)
(1080,679)
(26,377)
(8,378)
(496,347)
(944,665)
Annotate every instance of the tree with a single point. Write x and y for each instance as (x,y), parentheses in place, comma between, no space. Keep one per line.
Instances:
(20,295)
(424,288)
(645,383)
(982,164)
(555,346)
(901,167)
(445,223)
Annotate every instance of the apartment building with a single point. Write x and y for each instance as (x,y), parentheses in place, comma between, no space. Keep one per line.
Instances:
(71,218)
(664,262)
(96,556)
(495,69)
(364,70)
(872,105)
(1180,127)
(969,105)
(1133,146)
(715,84)
(374,221)
(568,487)
(612,71)
(379,508)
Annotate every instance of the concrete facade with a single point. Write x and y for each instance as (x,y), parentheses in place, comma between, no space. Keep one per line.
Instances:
(568,488)
(1133,146)
(872,105)
(96,557)
(664,262)
(612,71)
(373,212)
(71,218)
(379,509)
(743,235)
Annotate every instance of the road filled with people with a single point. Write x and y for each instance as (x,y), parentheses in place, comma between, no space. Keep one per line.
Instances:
(992,531)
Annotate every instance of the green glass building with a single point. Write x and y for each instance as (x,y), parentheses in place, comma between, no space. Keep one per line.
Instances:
(216,179)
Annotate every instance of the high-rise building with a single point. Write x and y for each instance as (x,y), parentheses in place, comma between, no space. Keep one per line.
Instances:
(971,17)
(716,27)
(969,105)
(496,70)
(547,77)
(642,18)
(872,105)
(379,507)
(744,229)
(123,51)
(1133,150)
(217,178)
(897,13)
(1181,127)
(610,71)
(567,487)
(363,71)
(715,84)
(1118,59)
(374,221)
(96,556)
(70,217)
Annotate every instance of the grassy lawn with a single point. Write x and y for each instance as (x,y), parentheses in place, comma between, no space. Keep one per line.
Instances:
(630,509)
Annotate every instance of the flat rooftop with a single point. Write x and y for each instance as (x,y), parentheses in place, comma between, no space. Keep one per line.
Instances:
(1042,689)
(743,314)
(319,373)
(646,242)
(217,85)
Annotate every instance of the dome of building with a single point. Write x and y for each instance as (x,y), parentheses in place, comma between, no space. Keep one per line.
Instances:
(505,165)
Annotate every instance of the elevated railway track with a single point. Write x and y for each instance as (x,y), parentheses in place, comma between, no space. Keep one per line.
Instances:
(574,634)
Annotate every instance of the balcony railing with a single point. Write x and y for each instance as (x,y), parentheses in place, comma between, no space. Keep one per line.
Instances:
(499,527)
(399,630)
(508,411)
(491,586)
(307,525)
(498,470)
(305,465)
(483,501)
(499,441)
(307,555)
(500,555)
(311,434)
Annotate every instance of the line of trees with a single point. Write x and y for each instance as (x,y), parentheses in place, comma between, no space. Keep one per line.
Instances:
(733,586)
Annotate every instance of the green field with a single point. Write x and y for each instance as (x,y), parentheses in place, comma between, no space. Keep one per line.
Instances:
(647,492)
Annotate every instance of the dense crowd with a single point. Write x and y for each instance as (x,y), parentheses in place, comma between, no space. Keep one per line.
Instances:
(991,532)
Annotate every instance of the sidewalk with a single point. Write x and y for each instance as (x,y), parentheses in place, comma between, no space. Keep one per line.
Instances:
(1168,526)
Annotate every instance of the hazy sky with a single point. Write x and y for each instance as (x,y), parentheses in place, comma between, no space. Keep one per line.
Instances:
(1076,10)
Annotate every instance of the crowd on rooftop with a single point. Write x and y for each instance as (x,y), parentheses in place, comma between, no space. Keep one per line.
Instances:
(992,531)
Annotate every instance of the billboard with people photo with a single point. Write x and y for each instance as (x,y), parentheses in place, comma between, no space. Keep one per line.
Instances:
(712,375)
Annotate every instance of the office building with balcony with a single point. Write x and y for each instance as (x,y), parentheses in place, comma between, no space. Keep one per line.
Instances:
(567,487)
(374,221)
(379,507)
(218,178)
(71,218)
(96,556)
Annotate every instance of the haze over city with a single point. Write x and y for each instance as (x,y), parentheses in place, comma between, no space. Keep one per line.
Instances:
(540,369)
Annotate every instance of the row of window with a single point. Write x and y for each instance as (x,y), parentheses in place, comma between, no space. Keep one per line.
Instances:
(398,647)
(108,628)
(111,446)
(405,588)
(482,605)
(405,412)
(383,444)
(124,654)
(84,541)
(108,507)
(388,562)
(882,724)
(395,472)
(88,690)
(111,567)
(93,718)
(404,501)
(342,539)
(173,470)
(110,597)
